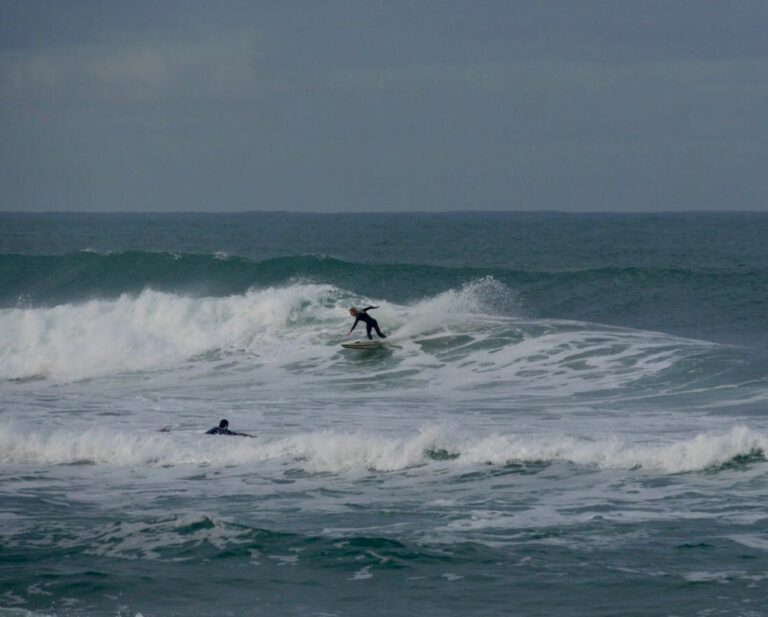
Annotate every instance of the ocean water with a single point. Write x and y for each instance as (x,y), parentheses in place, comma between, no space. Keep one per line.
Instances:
(568,418)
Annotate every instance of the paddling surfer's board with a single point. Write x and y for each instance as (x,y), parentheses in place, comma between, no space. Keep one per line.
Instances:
(362,345)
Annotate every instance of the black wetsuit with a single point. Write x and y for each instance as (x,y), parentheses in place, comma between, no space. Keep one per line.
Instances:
(370,323)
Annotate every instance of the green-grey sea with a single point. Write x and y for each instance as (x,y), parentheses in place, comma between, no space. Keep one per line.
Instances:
(568,416)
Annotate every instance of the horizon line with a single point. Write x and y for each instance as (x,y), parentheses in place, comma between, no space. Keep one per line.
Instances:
(381,212)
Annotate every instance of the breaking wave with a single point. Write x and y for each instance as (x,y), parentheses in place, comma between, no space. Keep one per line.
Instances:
(332,451)
(456,340)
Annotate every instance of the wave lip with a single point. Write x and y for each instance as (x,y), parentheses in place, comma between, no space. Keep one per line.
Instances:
(337,452)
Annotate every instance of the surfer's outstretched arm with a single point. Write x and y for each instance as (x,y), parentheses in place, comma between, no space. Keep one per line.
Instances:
(240,434)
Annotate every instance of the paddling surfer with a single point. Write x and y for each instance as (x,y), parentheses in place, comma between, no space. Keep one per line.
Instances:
(370,322)
(223,429)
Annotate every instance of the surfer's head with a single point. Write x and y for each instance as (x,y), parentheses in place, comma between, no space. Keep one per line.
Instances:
(352,311)
(224,424)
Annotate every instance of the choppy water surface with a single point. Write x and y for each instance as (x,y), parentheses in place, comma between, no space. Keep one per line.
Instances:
(569,417)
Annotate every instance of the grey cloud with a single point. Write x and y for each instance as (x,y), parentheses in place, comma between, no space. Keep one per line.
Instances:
(383,105)
(218,67)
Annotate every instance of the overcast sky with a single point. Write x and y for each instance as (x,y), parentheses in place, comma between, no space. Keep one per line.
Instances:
(374,106)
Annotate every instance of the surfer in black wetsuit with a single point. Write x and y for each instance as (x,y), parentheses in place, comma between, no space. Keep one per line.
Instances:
(370,322)
(223,429)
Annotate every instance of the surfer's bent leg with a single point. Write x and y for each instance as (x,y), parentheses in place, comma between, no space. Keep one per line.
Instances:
(368,327)
(378,331)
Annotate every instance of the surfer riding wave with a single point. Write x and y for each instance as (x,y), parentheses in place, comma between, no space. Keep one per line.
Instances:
(370,322)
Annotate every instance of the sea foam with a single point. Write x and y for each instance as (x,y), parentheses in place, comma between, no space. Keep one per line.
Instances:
(149,331)
(333,451)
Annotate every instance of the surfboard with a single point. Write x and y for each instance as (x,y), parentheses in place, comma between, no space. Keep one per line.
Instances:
(363,344)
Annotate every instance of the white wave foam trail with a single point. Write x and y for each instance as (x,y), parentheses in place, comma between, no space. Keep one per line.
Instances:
(474,338)
(568,358)
(331,451)
(148,331)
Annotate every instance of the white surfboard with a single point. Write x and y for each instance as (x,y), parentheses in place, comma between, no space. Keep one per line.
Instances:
(363,344)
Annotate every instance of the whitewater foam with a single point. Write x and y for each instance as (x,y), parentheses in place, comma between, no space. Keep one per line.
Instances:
(149,331)
(334,451)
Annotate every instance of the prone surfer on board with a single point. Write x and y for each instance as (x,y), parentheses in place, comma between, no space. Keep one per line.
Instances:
(370,322)
(223,429)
